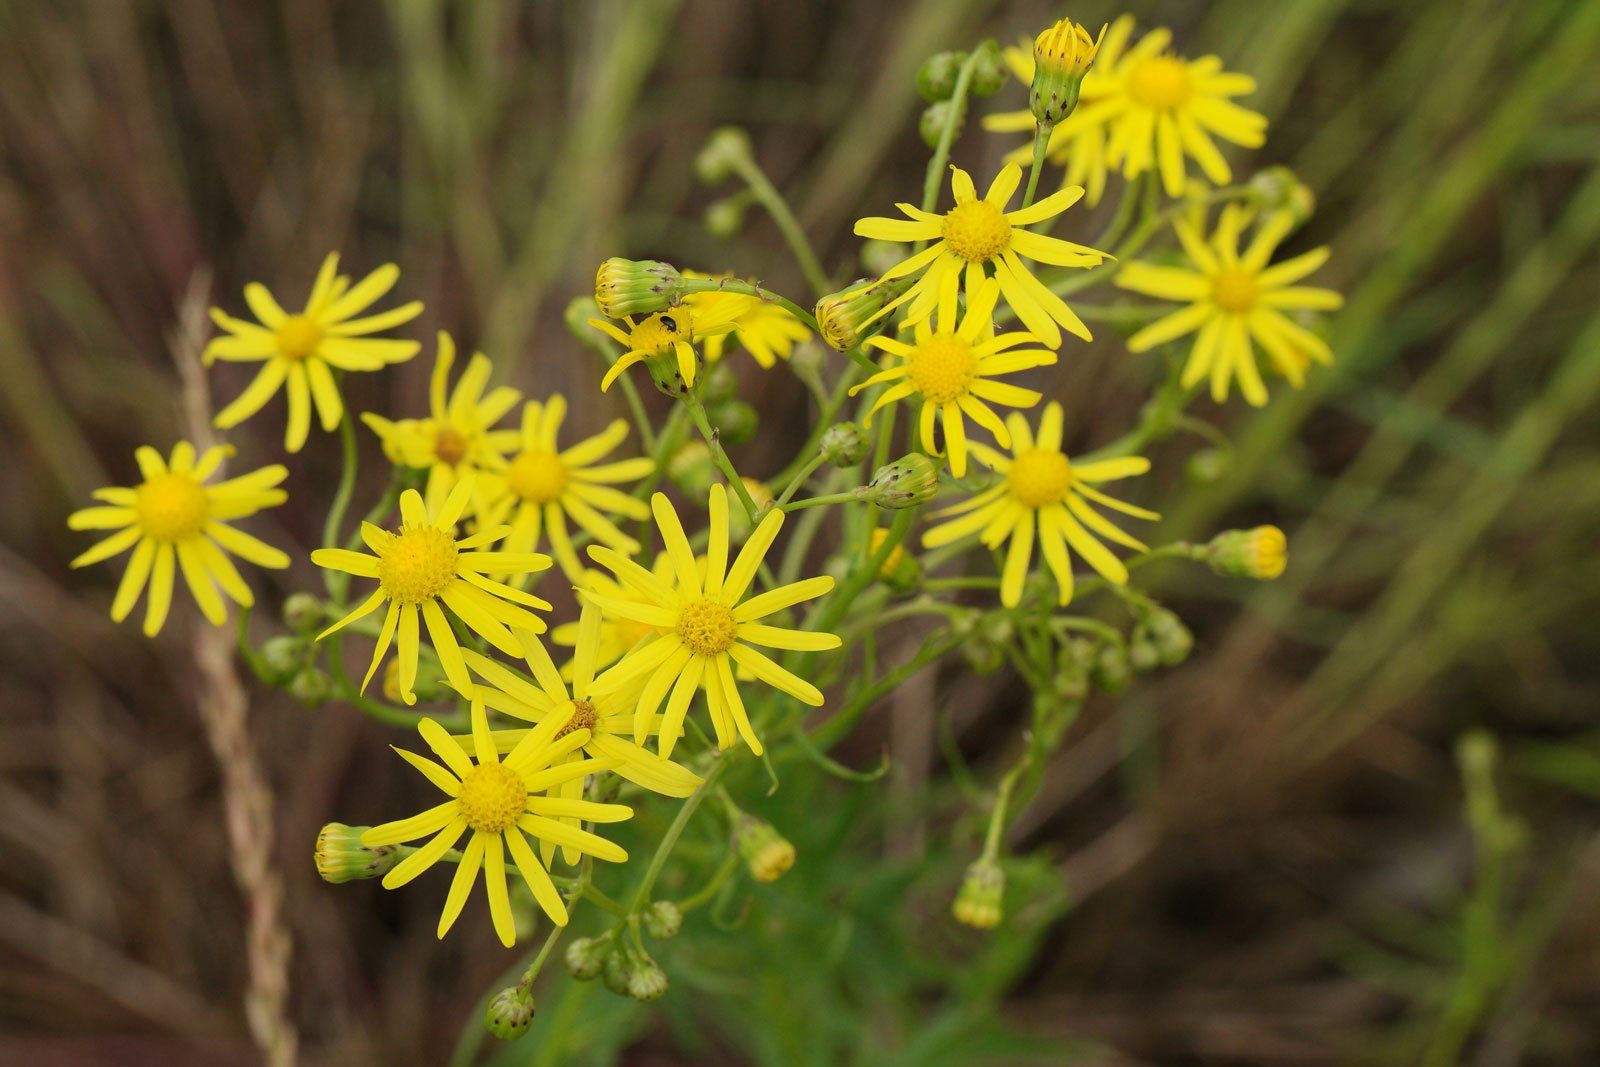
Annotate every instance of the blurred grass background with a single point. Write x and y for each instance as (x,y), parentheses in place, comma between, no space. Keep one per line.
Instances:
(1259,858)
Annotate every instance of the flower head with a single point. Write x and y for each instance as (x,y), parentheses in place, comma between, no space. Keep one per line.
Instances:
(1044,497)
(457,438)
(174,521)
(667,339)
(850,316)
(978,235)
(301,348)
(541,486)
(766,330)
(422,566)
(705,626)
(499,801)
(1235,298)
(952,366)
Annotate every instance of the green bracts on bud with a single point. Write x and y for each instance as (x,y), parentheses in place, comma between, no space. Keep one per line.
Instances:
(662,920)
(1062,55)
(1260,553)
(980,901)
(936,78)
(304,613)
(509,1014)
(341,857)
(935,117)
(624,287)
(907,482)
(768,855)
(1277,191)
(724,151)
(844,444)
(989,72)
(587,956)
(854,313)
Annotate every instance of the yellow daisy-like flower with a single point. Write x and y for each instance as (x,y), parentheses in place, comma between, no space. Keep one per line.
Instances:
(705,626)
(953,367)
(421,566)
(607,716)
(975,234)
(498,801)
(1045,498)
(299,349)
(456,439)
(541,487)
(178,522)
(1233,299)
(1141,109)
(672,332)
(766,330)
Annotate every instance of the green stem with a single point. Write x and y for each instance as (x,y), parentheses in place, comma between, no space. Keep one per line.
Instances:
(341,496)
(641,897)
(819,501)
(734,285)
(768,196)
(799,478)
(1041,141)
(697,412)
(947,136)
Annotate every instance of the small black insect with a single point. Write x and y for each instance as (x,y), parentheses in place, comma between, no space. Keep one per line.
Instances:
(667,321)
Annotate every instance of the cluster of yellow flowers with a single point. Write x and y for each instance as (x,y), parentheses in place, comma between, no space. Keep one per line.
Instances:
(542,748)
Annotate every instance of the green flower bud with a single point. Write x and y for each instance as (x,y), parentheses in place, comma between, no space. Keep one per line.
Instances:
(1143,656)
(692,469)
(1062,55)
(304,613)
(1111,669)
(723,152)
(1260,553)
(1078,652)
(844,444)
(725,218)
(625,287)
(647,981)
(578,312)
(1207,466)
(936,78)
(907,482)
(282,657)
(341,857)
(1070,683)
(311,687)
(719,383)
(843,316)
(587,956)
(982,656)
(980,901)
(1171,637)
(989,71)
(662,920)
(767,853)
(510,1014)
(935,117)
(617,969)
(735,421)
(1277,189)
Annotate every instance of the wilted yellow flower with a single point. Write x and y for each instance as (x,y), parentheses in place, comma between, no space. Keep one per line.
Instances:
(765,329)
(179,523)
(299,349)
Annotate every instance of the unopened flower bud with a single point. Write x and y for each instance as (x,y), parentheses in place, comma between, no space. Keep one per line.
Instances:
(723,152)
(662,920)
(843,316)
(718,383)
(1171,637)
(1070,682)
(907,482)
(1278,189)
(934,119)
(985,650)
(303,613)
(767,853)
(646,980)
(988,69)
(844,444)
(510,1013)
(282,657)
(1143,656)
(587,956)
(692,469)
(1258,553)
(901,571)
(1207,466)
(341,857)
(735,421)
(311,687)
(936,78)
(1111,669)
(1062,55)
(725,218)
(579,310)
(625,287)
(617,969)
(980,901)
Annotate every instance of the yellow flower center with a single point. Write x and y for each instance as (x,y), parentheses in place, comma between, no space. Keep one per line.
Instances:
(537,476)
(172,507)
(492,797)
(417,564)
(942,367)
(583,718)
(1160,83)
(977,231)
(1039,477)
(662,330)
(707,627)
(450,445)
(1234,290)
(298,337)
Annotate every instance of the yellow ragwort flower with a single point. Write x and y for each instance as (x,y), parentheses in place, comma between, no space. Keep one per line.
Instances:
(1044,497)
(672,332)
(1235,298)
(421,566)
(540,487)
(607,716)
(299,349)
(178,522)
(705,626)
(975,234)
(457,438)
(953,366)
(498,801)
(766,330)
(1141,109)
